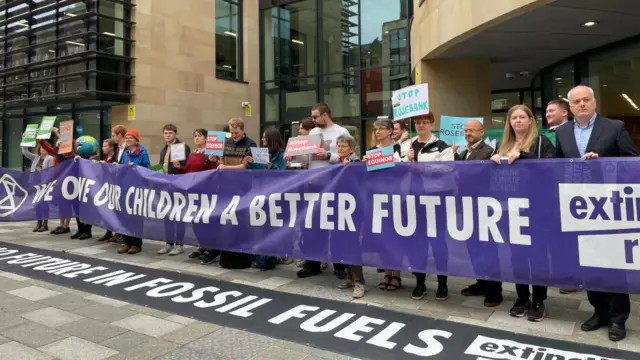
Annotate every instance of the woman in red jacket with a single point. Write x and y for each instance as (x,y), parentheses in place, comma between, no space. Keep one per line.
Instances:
(197,161)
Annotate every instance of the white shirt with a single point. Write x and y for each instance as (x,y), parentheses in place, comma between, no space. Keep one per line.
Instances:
(329,137)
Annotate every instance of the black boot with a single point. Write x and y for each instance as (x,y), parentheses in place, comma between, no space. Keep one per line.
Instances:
(35,229)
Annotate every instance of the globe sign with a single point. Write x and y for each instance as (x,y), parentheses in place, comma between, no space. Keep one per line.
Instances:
(86,146)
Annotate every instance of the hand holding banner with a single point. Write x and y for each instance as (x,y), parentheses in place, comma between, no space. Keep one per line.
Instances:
(215,143)
(29,136)
(66,137)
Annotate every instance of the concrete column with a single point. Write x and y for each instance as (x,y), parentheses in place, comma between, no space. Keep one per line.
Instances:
(458,87)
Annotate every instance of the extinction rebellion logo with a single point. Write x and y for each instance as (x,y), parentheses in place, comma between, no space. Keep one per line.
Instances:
(611,208)
(12,195)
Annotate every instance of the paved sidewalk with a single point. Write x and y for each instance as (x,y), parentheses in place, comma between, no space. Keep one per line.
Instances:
(80,325)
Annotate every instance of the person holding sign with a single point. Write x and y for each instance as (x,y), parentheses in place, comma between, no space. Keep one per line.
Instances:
(522,141)
(109,156)
(385,130)
(39,161)
(271,140)
(196,162)
(427,147)
(174,149)
(134,155)
(58,158)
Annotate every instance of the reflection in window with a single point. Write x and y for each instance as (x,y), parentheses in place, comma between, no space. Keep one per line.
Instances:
(111,30)
(383,31)
(228,39)
(377,87)
(15,128)
(343,95)
(271,102)
(340,35)
(299,96)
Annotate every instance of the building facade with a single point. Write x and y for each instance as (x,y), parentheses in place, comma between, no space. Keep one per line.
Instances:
(527,52)
(140,63)
(350,54)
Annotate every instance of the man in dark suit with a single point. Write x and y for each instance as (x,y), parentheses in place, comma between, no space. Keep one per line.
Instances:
(591,136)
(479,150)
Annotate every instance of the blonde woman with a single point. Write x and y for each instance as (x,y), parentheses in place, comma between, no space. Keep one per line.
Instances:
(522,141)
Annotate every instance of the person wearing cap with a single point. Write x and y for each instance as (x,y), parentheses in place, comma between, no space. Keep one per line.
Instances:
(134,155)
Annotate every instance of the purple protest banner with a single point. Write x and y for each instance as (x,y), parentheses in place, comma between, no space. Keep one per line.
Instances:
(554,222)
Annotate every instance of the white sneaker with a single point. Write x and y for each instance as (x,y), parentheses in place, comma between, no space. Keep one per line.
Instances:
(358,290)
(166,249)
(176,250)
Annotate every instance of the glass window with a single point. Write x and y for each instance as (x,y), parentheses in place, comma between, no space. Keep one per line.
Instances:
(114,9)
(15,128)
(614,77)
(376,87)
(1,143)
(74,9)
(271,46)
(89,122)
(228,39)
(505,100)
(111,30)
(298,37)
(299,96)
(383,31)
(563,80)
(340,35)
(342,93)
(271,102)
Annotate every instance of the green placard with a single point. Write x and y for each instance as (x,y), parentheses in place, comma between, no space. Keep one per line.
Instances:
(29,136)
(158,167)
(45,128)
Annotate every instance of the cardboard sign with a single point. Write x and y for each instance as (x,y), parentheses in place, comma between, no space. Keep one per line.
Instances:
(66,137)
(29,136)
(178,152)
(410,101)
(260,155)
(45,128)
(381,158)
(303,145)
(452,130)
(215,143)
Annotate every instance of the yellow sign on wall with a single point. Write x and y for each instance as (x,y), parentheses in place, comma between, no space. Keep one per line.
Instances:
(131,112)
(418,78)
(247,110)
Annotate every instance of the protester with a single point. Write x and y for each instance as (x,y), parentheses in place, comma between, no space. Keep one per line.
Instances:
(88,151)
(237,150)
(384,132)
(110,155)
(64,227)
(301,161)
(427,147)
(173,229)
(39,161)
(345,146)
(477,149)
(401,137)
(117,134)
(271,140)
(557,113)
(591,136)
(330,132)
(196,162)
(135,155)
(521,140)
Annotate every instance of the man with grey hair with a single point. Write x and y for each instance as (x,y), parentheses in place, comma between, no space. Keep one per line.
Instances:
(591,136)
